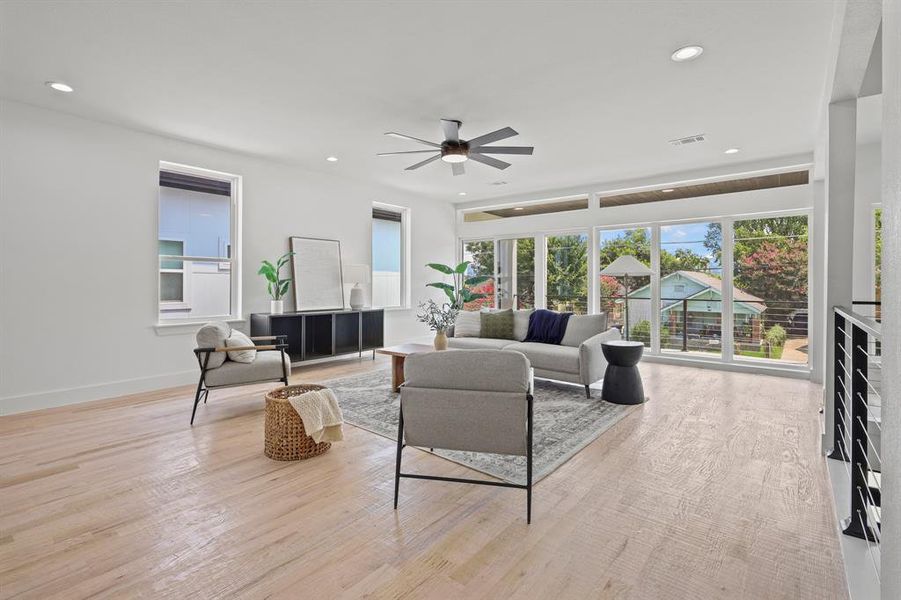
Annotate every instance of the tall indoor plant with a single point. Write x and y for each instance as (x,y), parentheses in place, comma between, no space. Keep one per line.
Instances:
(278,287)
(459,292)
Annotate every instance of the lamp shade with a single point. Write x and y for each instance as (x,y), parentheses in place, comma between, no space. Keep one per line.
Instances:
(626,265)
(356,273)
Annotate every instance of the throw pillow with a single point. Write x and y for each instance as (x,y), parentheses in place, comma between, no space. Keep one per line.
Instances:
(468,324)
(582,327)
(237,339)
(213,335)
(497,325)
(521,323)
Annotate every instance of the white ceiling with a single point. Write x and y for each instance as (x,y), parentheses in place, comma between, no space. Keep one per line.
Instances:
(590,85)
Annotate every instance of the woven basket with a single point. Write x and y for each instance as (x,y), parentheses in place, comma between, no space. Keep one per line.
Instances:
(285,435)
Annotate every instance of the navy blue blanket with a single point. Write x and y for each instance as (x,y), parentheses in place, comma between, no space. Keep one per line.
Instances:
(547,326)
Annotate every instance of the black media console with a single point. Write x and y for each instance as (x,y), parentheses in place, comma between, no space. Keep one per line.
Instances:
(320,334)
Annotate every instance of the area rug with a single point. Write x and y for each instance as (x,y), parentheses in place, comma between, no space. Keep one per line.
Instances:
(564,422)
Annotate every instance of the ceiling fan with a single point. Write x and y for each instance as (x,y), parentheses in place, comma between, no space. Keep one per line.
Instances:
(456,151)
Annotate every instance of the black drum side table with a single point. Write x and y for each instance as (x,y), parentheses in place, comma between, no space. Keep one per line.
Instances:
(622,381)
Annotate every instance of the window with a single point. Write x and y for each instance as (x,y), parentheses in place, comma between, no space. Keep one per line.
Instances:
(516,273)
(198,213)
(567,273)
(389,264)
(613,244)
(691,288)
(770,289)
(480,255)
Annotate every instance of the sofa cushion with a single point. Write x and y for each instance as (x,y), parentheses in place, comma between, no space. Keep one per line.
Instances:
(582,327)
(478,343)
(237,340)
(520,322)
(497,324)
(213,335)
(266,366)
(549,357)
(468,324)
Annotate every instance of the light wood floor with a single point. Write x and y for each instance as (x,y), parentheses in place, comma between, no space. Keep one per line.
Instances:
(714,489)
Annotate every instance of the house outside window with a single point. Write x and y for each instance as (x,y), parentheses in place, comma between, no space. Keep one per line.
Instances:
(390,263)
(197,244)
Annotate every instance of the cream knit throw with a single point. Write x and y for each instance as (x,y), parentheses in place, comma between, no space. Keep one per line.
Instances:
(321,415)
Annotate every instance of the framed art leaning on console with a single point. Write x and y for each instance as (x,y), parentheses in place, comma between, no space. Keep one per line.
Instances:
(318,281)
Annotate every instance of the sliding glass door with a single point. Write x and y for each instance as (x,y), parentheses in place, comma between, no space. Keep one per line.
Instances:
(567,272)
(691,288)
(480,255)
(770,258)
(516,273)
(625,292)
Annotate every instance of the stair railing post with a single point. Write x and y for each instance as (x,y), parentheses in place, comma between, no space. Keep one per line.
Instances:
(838,393)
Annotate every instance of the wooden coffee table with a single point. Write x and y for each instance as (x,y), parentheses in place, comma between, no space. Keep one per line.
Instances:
(398,355)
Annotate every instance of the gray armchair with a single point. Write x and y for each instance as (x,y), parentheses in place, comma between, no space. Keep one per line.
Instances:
(217,371)
(471,400)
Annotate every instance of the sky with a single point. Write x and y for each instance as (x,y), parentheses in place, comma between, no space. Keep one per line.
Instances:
(385,245)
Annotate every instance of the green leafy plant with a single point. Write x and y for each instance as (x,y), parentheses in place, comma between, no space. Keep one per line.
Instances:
(775,336)
(278,287)
(460,291)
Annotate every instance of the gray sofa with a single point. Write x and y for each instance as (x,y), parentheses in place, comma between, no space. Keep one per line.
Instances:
(578,358)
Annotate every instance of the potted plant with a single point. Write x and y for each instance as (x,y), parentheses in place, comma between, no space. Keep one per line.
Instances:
(439,318)
(459,292)
(277,286)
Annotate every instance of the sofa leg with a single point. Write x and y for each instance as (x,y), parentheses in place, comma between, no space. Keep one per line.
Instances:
(588,392)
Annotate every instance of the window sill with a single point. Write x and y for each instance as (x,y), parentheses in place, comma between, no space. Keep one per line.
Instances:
(182,327)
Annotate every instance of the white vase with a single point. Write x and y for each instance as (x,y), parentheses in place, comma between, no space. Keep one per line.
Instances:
(356,297)
(277,307)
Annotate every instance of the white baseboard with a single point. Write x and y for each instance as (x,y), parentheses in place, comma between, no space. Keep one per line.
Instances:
(62,397)
(49,399)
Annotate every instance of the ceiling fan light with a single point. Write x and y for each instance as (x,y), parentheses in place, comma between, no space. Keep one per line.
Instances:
(454,158)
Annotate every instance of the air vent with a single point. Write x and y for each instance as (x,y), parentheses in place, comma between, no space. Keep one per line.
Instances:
(692,139)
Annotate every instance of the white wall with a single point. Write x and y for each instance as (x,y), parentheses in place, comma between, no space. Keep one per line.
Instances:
(867,195)
(78,251)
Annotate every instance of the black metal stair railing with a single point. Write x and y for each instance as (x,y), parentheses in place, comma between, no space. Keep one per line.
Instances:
(857,405)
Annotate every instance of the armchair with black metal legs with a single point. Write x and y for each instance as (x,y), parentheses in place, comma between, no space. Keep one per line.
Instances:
(271,364)
(471,400)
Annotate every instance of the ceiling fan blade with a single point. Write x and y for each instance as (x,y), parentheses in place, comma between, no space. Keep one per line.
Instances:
(404,152)
(423,163)
(494,136)
(451,128)
(458,168)
(410,137)
(487,160)
(506,149)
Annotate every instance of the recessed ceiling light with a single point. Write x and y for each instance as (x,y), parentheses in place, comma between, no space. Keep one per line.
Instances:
(732,151)
(59,86)
(518,208)
(667,190)
(332,158)
(687,53)
(461,193)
